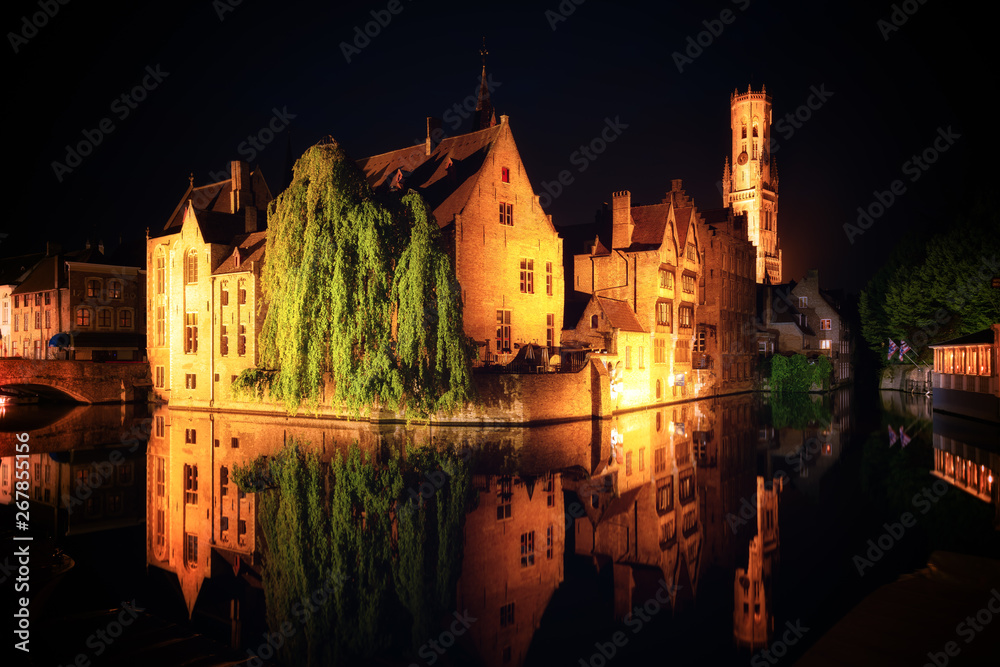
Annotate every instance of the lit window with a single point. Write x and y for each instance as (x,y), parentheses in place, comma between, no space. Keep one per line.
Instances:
(663,313)
(684,316)
(504,497)
(190,333)
(191,267)
(527,276)
(114,289)
(82,317)
(825,344)
(687,283)
(826,325)
(527,549)
(93,288)
(506,214)
(666,279)
(803,302)
(503,331)
(191,485)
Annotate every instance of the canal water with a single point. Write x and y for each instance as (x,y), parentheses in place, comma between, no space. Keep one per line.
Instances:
(736,530)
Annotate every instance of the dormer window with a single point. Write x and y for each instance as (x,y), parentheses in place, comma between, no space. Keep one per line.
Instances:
(505,174)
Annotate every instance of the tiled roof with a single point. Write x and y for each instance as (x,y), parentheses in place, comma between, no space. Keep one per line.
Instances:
(246,248)
(683,218)
(211,197)
(619,314)
(13,268)
(445,178)
(650,222)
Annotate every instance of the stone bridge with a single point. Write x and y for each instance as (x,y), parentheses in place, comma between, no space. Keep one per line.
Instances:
(80,381)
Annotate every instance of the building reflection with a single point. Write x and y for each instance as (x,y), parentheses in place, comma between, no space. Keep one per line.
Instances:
(86,466)
(649,498)
(513,562)
(966,457)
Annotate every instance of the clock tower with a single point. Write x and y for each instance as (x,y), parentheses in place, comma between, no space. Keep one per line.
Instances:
(750,183)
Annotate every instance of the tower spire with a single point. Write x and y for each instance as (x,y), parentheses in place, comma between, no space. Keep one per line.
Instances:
(484,116)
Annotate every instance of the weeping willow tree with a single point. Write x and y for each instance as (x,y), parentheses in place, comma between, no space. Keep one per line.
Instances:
(345,270)
(381,541)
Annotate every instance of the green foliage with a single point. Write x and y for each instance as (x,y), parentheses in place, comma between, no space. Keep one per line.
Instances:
(355,530)
(795,374)
(343,266)
(798,411)
(253,382)
(935,290)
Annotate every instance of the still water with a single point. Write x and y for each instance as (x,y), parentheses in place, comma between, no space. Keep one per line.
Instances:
(729,531)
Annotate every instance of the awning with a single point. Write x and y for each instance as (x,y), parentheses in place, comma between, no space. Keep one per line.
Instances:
(60,340)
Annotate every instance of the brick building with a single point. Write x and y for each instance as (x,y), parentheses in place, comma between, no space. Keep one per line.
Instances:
(95,301)
(504,249)
(805,319)
(512,562)
(651,268)
(204,288)
(725,337)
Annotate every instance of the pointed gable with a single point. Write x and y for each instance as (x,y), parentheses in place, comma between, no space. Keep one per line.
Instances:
(446,177)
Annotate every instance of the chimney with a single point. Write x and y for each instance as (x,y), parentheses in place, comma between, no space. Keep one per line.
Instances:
(434,134)
(251,219)
(813,274)
(241,194)
(621,219)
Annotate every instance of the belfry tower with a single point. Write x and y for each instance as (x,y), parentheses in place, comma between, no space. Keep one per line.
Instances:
(750,183)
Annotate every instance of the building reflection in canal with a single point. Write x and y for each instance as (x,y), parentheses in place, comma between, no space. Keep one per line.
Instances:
(647,498)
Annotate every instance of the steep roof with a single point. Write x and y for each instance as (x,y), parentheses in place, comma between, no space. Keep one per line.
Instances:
(12,269)
(246,248)
(619,314)
(446,178)
(650,223)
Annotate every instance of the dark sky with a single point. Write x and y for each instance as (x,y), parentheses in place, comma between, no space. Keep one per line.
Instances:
(225,77)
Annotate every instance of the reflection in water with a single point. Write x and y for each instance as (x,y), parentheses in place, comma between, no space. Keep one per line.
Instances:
(683,498)
(753,616)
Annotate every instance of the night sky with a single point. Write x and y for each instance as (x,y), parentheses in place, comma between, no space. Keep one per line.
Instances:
(228,68)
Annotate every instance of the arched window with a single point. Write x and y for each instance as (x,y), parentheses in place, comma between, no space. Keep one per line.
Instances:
(755,127)
(114,289)
(744,130)
(191,268)
(593,321)
(83,317)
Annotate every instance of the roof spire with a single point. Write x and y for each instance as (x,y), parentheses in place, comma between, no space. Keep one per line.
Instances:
(484,116)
